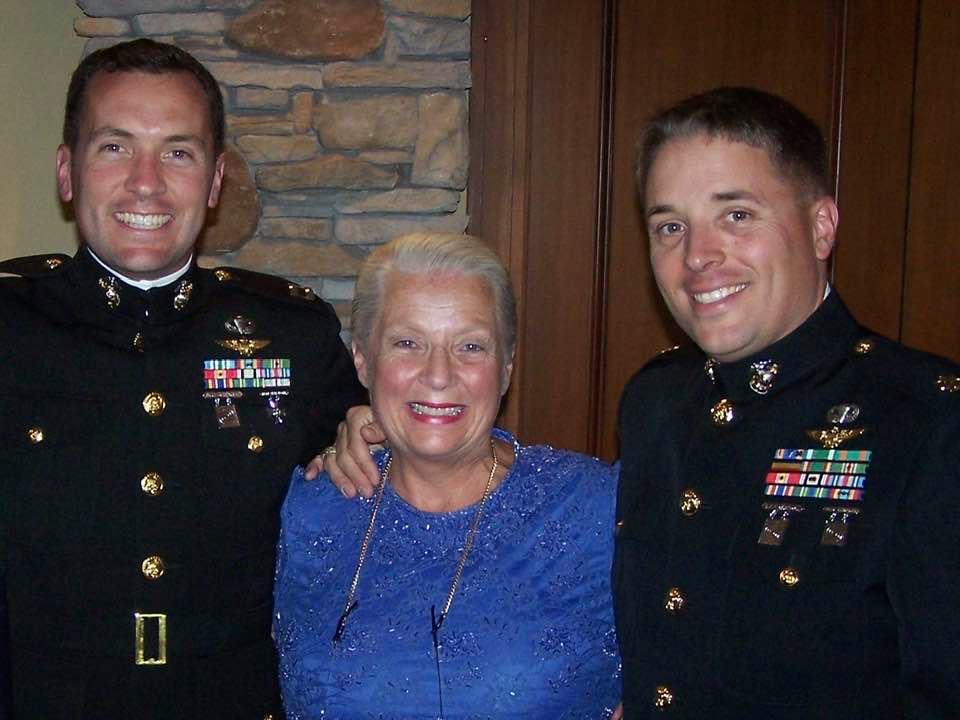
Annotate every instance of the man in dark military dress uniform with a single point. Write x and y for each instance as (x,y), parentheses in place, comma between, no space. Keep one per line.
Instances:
(151,414)
(788,543)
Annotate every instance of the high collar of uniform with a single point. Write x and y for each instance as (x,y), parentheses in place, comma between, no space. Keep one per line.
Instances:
(105,290)
(828,334)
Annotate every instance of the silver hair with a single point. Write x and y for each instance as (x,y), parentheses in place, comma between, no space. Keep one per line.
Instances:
(426,253)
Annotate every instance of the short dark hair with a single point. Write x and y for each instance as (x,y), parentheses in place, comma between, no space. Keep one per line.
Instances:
(146,56)
(747,115)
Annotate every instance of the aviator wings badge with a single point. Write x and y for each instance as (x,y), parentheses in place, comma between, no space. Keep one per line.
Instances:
(245,346)
(835,436)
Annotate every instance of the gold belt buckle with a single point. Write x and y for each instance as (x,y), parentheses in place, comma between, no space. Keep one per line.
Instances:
(141,626)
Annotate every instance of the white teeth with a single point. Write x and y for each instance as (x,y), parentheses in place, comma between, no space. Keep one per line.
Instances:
(718,294)
(436,412)
(143,222)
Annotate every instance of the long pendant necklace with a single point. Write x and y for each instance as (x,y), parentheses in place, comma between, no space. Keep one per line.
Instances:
(437,621)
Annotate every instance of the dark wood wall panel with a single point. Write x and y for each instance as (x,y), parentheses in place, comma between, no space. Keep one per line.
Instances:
(666,51)
(497,198)
(567,44)
(931,302)
(874,177)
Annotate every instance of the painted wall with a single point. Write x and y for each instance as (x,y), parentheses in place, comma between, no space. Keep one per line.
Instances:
(38,51)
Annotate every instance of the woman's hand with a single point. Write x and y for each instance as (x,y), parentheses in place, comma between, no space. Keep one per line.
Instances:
(348,461)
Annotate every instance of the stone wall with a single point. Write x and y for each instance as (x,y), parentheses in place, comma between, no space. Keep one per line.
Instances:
(346,123)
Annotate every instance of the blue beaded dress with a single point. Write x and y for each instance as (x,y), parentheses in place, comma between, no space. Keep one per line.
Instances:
(530,632)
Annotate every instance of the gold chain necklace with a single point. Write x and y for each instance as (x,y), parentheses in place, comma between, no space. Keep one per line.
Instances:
(351,603)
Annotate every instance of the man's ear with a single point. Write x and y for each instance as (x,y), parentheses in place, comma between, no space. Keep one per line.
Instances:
(64,167)
(214,197)
(824,217)
(360,363)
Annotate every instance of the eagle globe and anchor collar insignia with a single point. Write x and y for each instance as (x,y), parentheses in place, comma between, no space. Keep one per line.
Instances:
(111,291)
(182,296)
(763,373)
(761,379)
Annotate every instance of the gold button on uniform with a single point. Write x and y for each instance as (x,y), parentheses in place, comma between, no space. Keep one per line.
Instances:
(690,502)
(722,413)
(864,346)
(662,697)
(153,567)
(151,484)
(35,435)
(222,275)
(675,600)
(789,577)
(255,443)
(154,403)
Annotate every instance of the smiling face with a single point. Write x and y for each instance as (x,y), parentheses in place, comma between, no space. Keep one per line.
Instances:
(435,368)
(143,172)
(740,261)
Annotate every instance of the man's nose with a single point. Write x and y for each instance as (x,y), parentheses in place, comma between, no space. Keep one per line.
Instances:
(704,249)
(146,176)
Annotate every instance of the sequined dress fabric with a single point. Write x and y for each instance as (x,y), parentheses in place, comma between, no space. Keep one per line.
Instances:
(530,632)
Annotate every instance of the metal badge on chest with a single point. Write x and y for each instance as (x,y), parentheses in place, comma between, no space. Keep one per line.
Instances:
(229,380)
(826,472)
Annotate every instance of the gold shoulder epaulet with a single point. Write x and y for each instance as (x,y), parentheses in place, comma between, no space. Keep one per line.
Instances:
(263,284)
(33,265)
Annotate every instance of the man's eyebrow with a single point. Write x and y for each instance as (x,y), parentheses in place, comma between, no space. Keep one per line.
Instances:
(110,131)
(185,138)
(734,195)
(658,209)
(726,196)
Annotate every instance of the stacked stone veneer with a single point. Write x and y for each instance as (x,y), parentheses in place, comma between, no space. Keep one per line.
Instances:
(346,123)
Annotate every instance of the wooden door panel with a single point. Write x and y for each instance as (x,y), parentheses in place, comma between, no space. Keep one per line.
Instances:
(931,299)
(874,159)
(497,197)
(537,115)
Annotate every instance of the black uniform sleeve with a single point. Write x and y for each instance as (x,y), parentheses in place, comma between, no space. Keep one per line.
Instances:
(333,391)
(924,576)
(6,692)
(6,710)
